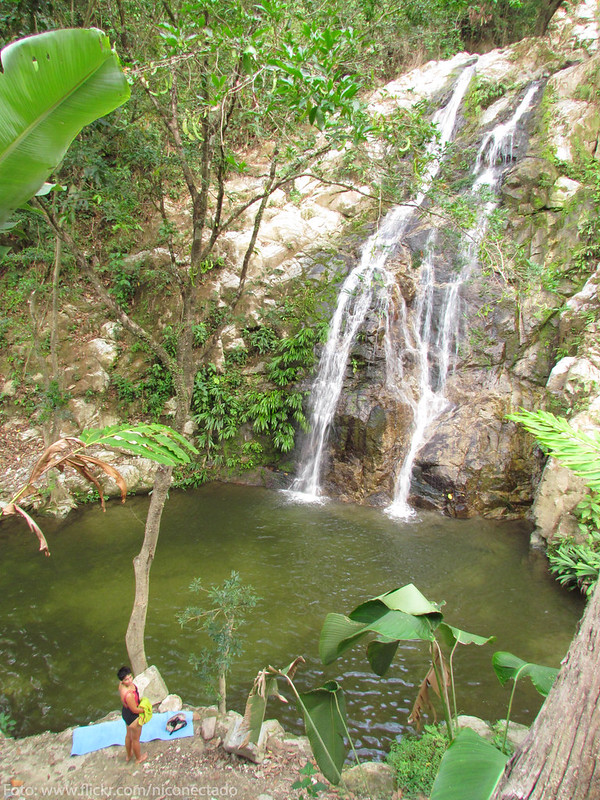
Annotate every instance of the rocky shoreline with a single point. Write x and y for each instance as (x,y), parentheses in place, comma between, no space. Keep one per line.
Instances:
(198,766)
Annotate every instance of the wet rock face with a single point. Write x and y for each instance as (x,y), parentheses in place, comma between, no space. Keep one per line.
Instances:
(475,461)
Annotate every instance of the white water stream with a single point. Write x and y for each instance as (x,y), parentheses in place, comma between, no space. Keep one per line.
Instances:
(429,333)
(354,301)
(432,353)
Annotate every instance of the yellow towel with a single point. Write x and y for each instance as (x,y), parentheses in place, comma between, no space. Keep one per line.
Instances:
(146,714)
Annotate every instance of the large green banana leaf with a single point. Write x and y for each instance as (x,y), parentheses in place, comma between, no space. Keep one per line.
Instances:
(52,85)
(470,769)
(403,614)
(324,713)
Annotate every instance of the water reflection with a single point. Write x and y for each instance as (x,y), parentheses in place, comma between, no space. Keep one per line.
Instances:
(65,617)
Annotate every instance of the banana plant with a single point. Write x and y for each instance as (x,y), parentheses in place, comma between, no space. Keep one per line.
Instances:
(510,667)
(157,442)
(403,614)
(471,766)
(323,710)
(51,86)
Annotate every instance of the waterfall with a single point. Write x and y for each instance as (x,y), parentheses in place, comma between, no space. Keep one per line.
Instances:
(354,301)
(434,353)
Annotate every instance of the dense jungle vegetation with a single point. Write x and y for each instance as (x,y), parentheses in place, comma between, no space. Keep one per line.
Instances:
(211,82)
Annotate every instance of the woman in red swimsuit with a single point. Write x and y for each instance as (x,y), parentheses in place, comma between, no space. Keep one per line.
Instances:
(130,713)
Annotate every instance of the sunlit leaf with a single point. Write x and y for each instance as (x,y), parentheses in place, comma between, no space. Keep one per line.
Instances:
(51,86)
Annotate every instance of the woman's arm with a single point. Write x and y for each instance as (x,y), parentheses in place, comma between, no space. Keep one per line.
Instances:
(130,703)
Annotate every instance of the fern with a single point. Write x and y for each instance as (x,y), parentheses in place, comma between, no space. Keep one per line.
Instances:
(575,449)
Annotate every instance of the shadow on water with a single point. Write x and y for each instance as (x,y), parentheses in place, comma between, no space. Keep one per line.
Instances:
(64,617)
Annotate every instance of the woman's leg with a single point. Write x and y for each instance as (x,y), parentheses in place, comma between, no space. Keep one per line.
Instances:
(136,731)
(128,745)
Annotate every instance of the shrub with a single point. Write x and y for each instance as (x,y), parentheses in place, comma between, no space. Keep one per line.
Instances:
(416,760)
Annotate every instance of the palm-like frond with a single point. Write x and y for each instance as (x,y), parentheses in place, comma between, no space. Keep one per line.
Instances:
(156,442)
(573,448)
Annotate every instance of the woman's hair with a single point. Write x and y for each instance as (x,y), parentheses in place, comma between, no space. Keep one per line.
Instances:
(123,672)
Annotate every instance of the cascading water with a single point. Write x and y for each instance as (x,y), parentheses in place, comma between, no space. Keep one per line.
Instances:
(354,301)
(432,353)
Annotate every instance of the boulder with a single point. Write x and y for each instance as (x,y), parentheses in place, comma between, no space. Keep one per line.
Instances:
(208,728)
(104,351)
(516,732)
(371,779)
(172,702)
(480,726)
(236,741)
(9,388)
(151,685)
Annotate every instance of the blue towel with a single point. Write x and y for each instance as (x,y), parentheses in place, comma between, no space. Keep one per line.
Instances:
(94,737)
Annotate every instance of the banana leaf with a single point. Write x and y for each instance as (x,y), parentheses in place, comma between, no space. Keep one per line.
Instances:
(381,654)
(339,633)
(324,712)
(51,86)
(451,636)
(470,770)
(410,600)
(508,666)
(403,614)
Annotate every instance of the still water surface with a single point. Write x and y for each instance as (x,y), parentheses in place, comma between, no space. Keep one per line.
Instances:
(64,617)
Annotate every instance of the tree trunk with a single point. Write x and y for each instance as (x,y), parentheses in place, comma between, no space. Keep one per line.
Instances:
(134,638)
(56,375)
(559,758)
(545,15)
(222,693)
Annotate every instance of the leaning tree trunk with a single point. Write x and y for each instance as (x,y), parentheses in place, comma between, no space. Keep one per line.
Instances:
(559,758)
(134,638)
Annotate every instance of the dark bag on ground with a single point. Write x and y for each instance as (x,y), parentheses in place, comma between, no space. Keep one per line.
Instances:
(176,723)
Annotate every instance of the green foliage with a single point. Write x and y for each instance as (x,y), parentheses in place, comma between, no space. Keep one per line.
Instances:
(124,279)
(127,391)
(262,339)
(576,564)
(236,356)
(52,85)
(157,388)
(273,412)
(52,398)
(224,401)
(200,334)
(403,614)
(7,723)
(416,760)
(510,667)
(585,169)
(229,605)
(157,442)
(575,449)
(404,135)
(470,770)
(218,407)
(323,710)
(309,783)
(294,356)
(169,339)
(482,93)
